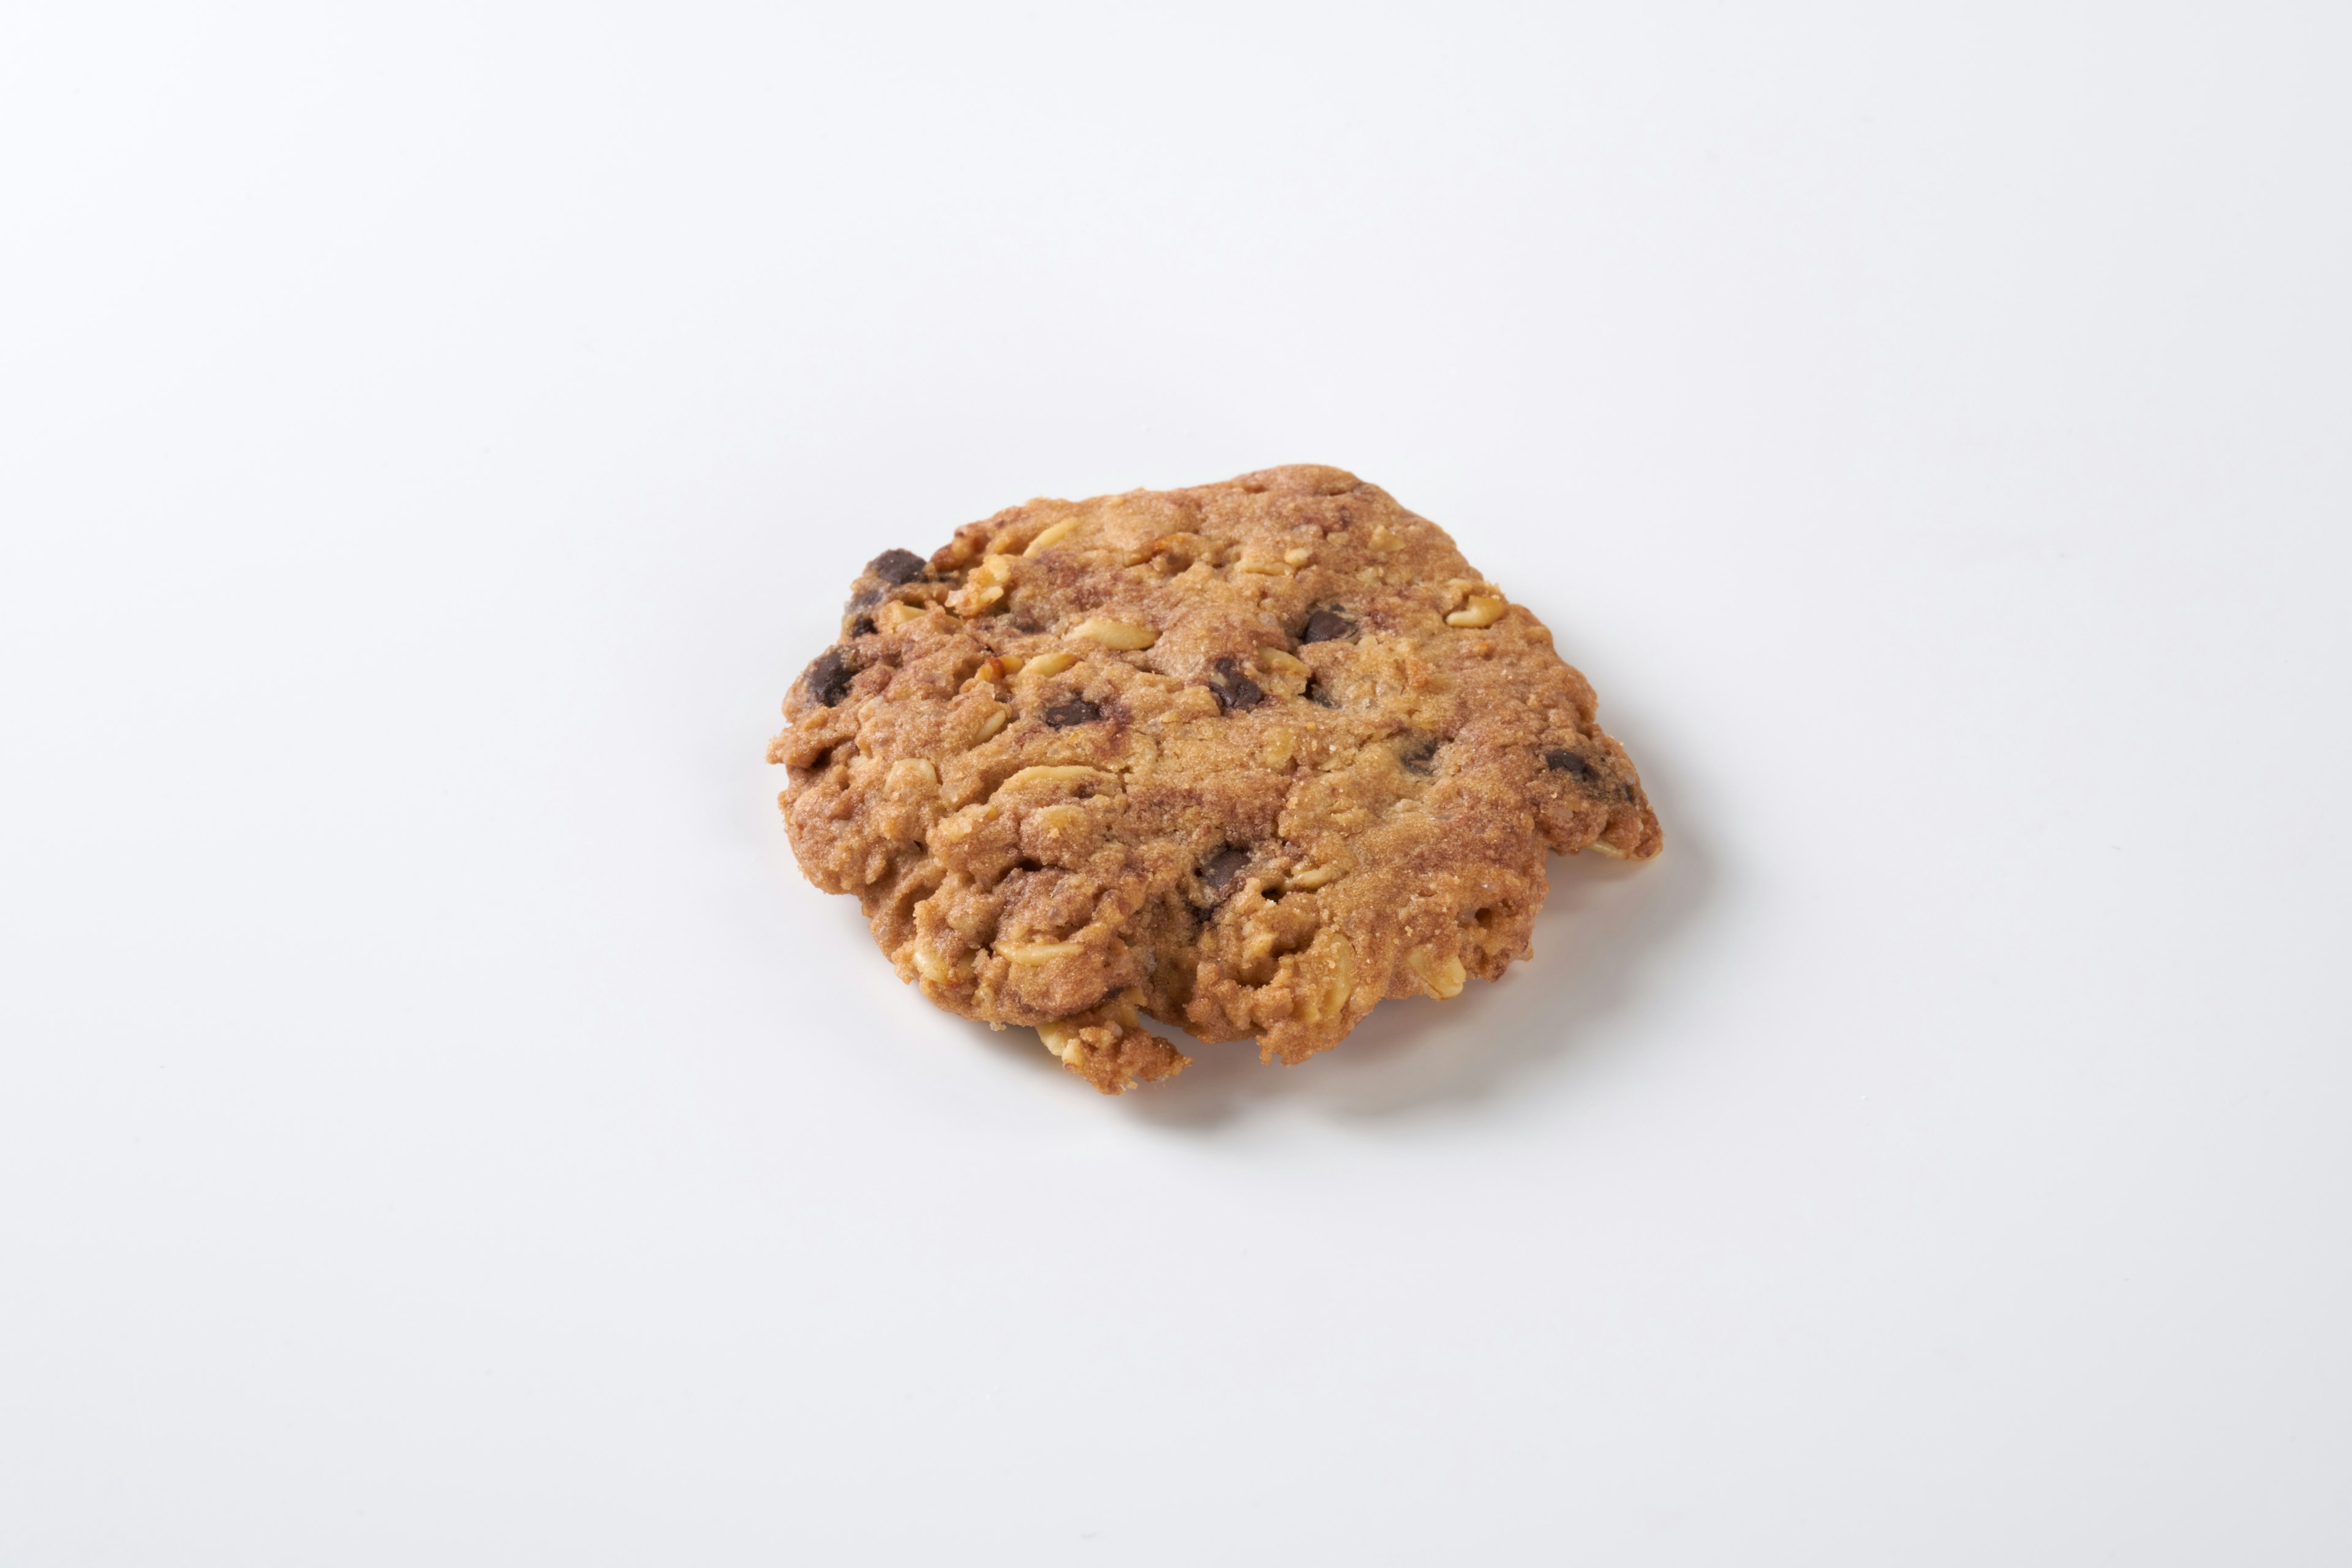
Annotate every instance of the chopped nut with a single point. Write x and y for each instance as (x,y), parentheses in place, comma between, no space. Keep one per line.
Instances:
(1067,773)
(1483,610)
(1116,633)
(1273,659)
(1052,536)
(1299,556)
(1062,1040)
(894,615)
(1444,977)
(913,773)
(989,725)
(1341,979)
(1042,952)
(1276,751)
(930,964)
(1313,877)
(1384,540)
(1054,663)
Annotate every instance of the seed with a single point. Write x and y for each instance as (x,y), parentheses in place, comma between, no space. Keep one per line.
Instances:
(989,725)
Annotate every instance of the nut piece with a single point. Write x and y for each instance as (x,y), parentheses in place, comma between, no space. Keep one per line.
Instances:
(1069,773)
(990,725)
(913,774)
(1483,610)
(1444,977)
(1298,557)
(1112,1052)
(1038,952)
(1052,536)
(1053,663)
(1124,634)
(894,615)
(1339,982)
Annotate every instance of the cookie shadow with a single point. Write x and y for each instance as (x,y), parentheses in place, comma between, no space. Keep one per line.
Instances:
(1605,926)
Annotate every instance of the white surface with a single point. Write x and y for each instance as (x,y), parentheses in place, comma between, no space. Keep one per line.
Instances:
(437,1125)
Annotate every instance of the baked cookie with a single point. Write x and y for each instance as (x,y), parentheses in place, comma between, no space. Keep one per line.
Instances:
(1247,757)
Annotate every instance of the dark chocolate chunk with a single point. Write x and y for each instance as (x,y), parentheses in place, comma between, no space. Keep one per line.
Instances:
(896,566)
(828,679)
(1326,625)
(1076,711)
(1420,756)
(1219,871)
(1231,688)
(1569,762)
(1319,694)
(862,626)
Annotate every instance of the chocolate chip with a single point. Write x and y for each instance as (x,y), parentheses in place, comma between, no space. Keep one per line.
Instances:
(1231,688)
(1420,756)
(1319,694)
(1076,711)
(1569,762)
(1326,625)
(862,626)
(1219,870)
(828,679)
(896,566)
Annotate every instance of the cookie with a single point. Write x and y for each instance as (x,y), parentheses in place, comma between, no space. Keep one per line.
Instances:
(1246,758)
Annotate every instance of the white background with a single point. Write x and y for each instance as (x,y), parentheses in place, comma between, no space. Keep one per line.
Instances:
(438,1125)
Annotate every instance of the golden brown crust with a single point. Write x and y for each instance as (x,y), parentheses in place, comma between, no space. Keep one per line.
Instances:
(1248,757)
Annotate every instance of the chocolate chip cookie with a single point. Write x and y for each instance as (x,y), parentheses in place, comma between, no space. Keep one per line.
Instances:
(1247,757)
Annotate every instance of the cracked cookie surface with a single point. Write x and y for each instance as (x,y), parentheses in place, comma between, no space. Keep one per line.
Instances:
(1247,758)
